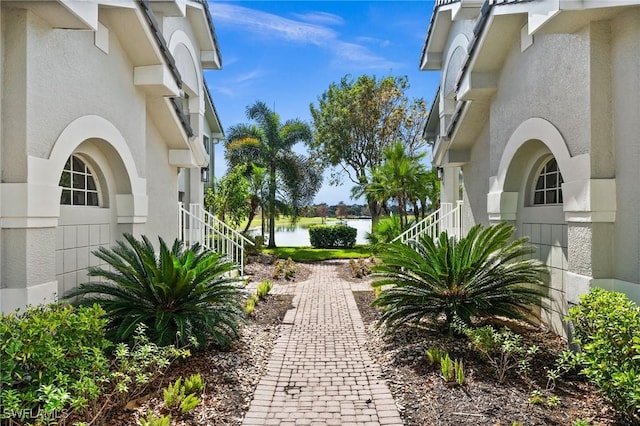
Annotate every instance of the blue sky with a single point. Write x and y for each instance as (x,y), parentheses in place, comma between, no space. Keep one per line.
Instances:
(287,53)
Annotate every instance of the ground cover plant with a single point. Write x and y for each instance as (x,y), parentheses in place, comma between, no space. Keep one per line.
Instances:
(480,275)
(184,296)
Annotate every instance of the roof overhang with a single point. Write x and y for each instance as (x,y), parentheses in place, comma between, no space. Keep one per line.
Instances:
(444,14)
(431,128)
(169,7)
(200,18)
(211,115)
(64,14)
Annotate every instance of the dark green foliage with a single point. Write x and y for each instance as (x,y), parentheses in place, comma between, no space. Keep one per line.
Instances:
(51,358)
(607,328)
(481,275)
(332,236)
(384,231)
(183,296)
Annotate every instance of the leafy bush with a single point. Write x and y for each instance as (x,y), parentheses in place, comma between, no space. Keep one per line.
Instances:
(183,296)
(503,349)
(332,236)
(606,328)
(480,275)
(51,358)
(384,231)
(135,367)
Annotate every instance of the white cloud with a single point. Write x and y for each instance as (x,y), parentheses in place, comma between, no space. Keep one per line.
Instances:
(320,18)
(355,53)
(315,32)
(269,25)
(248,76)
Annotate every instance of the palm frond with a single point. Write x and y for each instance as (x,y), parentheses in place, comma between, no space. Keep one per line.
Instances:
(483,274)
(178,292)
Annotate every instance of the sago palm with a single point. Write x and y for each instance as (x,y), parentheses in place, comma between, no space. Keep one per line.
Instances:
(179,294)
(480,275)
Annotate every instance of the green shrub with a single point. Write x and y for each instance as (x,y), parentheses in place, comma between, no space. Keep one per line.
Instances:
(263,289)
(181,396)
(606,328)
(183,295)
(384,231)
(481,275)
(434,355)
(250,306)
(503,349)
(51,358)
(134,368)
(332,236)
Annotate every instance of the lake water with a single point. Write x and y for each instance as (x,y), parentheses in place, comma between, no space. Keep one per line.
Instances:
(298,235)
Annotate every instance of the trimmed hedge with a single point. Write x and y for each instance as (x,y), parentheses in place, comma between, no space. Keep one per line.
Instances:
(607,328)
(332,236)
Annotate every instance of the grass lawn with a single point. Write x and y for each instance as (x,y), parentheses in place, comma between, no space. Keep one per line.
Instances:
(286,220)
(310,254)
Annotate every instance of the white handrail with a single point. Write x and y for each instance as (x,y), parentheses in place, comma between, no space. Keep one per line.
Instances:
(197,225)
(446,218)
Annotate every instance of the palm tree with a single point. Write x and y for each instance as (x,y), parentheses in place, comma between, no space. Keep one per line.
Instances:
(401,177)
(480,275)
(269,145)
(179,294)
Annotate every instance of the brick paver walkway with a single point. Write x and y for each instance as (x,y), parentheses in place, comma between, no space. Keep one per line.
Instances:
(319,372)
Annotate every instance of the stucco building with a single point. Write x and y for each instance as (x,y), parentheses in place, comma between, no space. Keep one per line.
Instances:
(537,122)
(105,125)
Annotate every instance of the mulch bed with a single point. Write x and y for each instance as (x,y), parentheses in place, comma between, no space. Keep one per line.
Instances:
(425,399)
(231,376)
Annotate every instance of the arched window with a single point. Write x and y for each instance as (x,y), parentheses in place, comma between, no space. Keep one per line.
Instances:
(548,185)
(79,185)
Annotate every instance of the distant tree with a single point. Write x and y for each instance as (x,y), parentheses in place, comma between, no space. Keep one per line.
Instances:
(354,120)
(231,195)
(291,179)
(322,210)
(341,210)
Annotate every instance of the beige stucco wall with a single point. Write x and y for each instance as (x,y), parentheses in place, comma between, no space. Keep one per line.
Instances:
(547,80)
(163,190)
(62,93)
(625,57)
(476,182)
(580,86)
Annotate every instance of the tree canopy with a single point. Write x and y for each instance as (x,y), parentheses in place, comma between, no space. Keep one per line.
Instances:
(356,119)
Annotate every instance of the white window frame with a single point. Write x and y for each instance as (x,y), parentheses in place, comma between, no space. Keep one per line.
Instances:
(543,173)
(88,172)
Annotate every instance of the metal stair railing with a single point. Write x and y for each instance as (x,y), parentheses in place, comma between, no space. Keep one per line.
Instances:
(446,218)
(196,225)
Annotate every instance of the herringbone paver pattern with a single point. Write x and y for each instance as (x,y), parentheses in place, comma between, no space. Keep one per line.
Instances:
(319,372)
